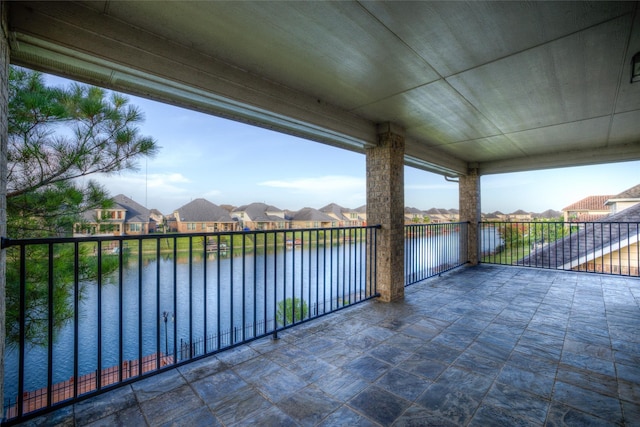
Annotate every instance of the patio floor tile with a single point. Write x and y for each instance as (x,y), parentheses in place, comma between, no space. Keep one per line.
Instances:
(478,346)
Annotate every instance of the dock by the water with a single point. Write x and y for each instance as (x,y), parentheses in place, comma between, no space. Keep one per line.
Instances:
(37,399)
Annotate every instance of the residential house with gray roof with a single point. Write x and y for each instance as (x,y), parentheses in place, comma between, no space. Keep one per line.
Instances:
(346,217)
(520,215)
(549,214)
(437,215)
(260,216)
(200,215)
(362,214)
(607,245)
(125,217)
(312,218)
(413,216)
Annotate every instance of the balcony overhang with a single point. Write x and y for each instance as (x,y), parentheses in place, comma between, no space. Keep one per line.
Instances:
(511,99)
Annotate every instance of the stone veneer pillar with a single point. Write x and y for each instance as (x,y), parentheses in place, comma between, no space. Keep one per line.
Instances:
(469,195)
(4,94)
(385,207)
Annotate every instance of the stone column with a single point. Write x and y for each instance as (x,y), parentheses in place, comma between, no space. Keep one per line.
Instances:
(469,195)
(4,93)
(385,207)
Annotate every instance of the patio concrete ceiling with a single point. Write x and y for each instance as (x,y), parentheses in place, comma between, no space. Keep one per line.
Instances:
(501,86)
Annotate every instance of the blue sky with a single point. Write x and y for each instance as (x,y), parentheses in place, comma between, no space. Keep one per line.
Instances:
(232,163)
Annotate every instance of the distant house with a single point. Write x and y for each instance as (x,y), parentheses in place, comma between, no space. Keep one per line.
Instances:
(158,217)
(260,216)
(588,209)
(312,218)
(604,246)
(362,214)
(437,215)
(520,216)
(454,215)
(201,215)
(413,216)
(628,198)
(125,217)
(345,217)
(501,216)
(549,214)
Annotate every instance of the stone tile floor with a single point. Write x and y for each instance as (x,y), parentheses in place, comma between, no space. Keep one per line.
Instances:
(480,346)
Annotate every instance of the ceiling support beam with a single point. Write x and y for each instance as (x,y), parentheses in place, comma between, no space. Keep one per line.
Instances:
(612,154)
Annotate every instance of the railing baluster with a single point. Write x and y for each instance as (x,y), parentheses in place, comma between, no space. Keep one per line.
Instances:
(76,313)
(175,300)
(50,326)
(158,349)
(190,240)
(218,330)
(205,299)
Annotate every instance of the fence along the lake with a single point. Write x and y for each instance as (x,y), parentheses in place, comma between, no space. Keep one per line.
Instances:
(323,270)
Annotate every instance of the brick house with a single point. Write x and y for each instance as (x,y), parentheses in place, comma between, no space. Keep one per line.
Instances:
(125,217)
(260,216)
(202,216)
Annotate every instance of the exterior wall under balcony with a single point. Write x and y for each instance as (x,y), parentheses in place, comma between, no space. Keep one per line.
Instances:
(623,262)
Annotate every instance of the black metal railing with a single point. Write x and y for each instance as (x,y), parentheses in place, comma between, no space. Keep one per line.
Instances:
(593,247)
(431,249)
(85,315)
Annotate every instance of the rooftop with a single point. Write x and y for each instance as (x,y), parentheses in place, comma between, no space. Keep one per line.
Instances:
(486,345)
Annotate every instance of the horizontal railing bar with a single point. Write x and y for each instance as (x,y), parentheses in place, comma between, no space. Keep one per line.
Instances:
(7,242)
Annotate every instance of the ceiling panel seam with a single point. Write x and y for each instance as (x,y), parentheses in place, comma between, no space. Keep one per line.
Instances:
(621,73)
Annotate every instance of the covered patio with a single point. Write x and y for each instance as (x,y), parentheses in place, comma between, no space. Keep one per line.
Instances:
(459,89)
(484,345)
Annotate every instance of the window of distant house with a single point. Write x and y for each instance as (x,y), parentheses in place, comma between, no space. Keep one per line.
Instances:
(135,227)
(191,226)
(281,225)
(333,224)
(204,226)
(316,224)
(120,214)
(353,215)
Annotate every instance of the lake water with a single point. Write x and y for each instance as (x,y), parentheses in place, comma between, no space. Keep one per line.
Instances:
(219,293)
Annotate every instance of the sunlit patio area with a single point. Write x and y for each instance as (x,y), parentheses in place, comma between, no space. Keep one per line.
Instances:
(485,345)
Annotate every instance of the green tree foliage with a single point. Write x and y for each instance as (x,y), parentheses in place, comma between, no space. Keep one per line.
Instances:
(288,308)
(58,137)
(62,284)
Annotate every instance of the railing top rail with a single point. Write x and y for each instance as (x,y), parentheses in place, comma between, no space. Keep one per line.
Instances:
(7,242)
(437,223)
(556,222)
